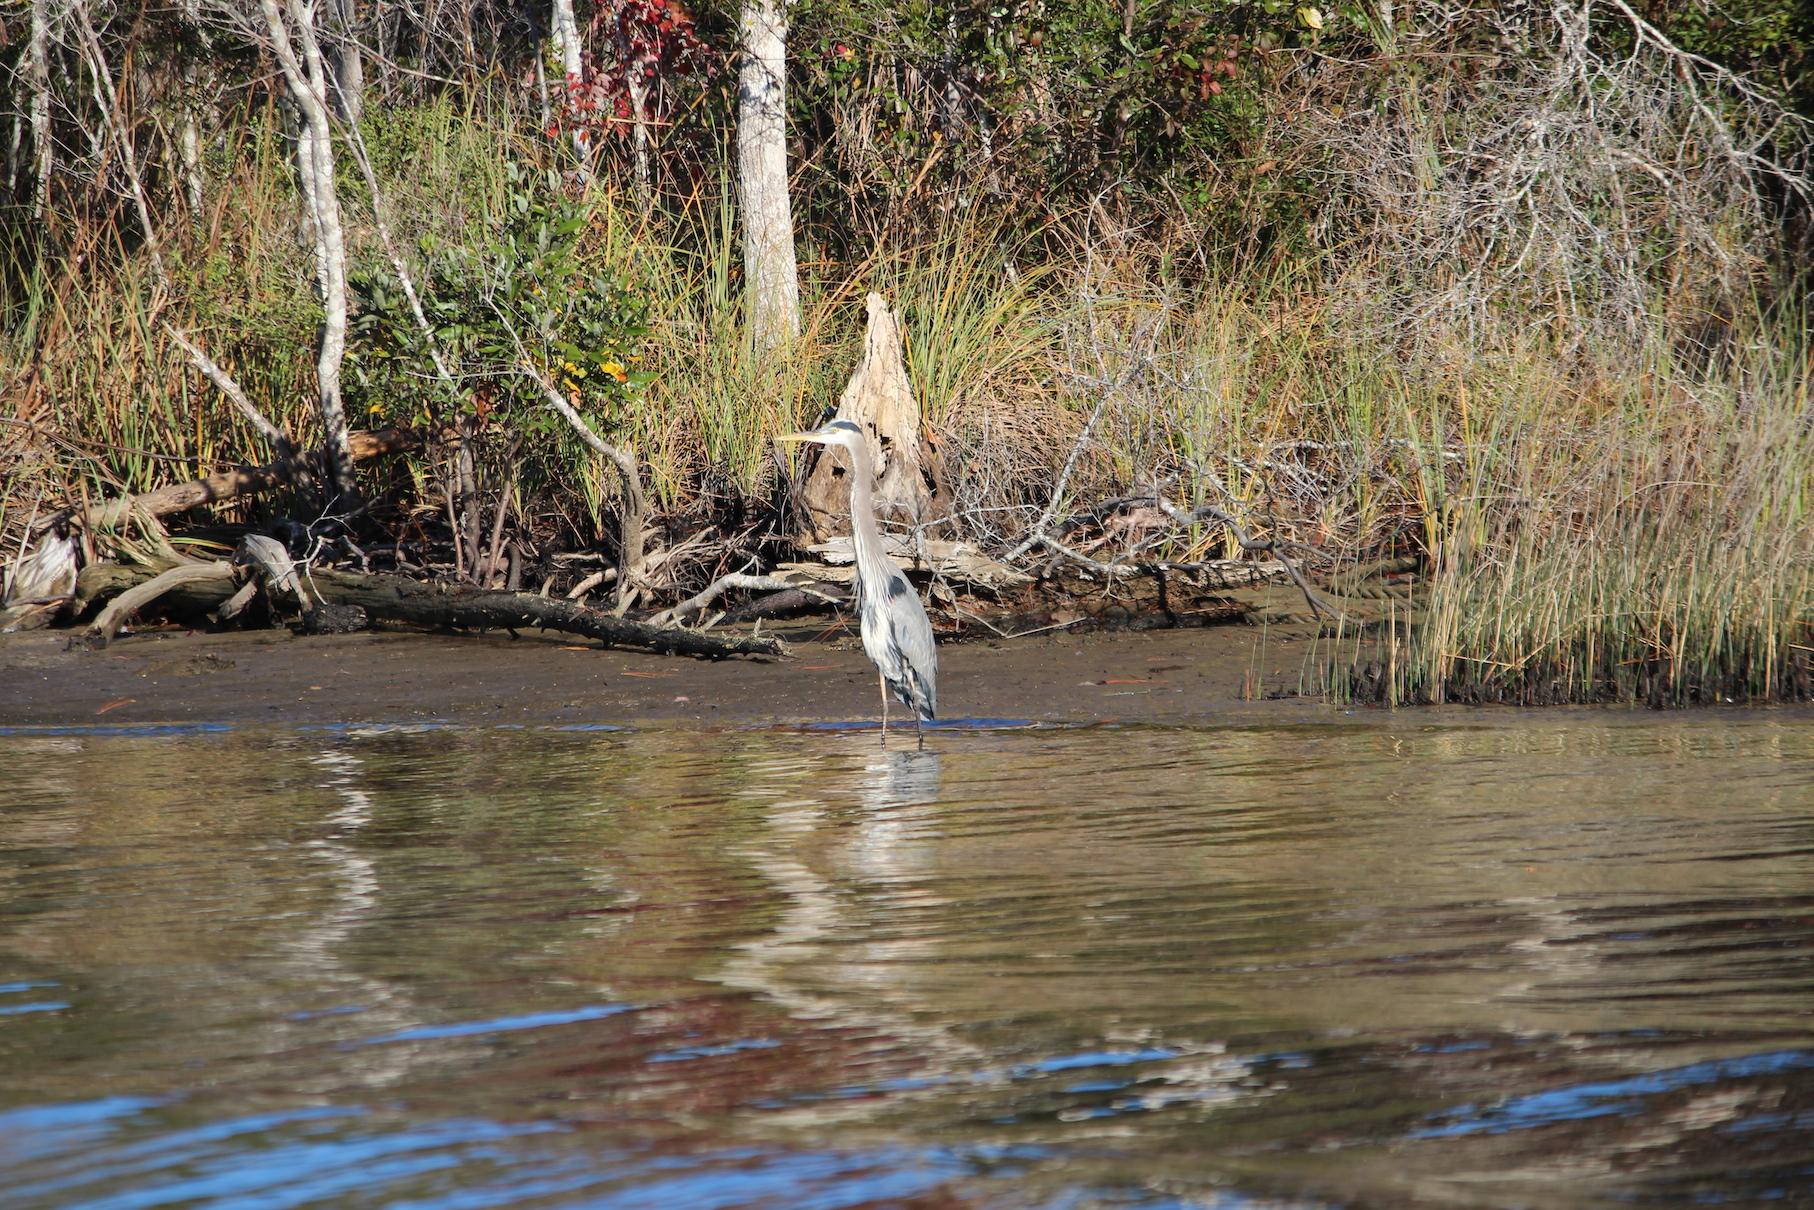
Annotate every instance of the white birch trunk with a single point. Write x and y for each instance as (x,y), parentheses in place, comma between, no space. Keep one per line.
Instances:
(38,80)
(573,67)
(307,78)
(566,39)
(772,274)
(189,138)
(639,136)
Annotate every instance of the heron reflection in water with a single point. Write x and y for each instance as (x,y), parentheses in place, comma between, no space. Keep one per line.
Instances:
(896,633)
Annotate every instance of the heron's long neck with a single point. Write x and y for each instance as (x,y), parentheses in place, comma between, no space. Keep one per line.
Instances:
(863,530)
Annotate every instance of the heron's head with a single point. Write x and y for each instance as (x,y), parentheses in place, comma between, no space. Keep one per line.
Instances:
(832,432)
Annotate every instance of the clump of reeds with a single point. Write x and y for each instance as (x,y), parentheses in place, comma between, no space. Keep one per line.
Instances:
(1645,540)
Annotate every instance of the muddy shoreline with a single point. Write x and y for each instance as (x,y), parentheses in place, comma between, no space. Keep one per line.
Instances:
(1223,674)
(174,675)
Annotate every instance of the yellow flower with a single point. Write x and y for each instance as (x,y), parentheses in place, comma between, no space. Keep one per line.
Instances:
(375,409)
(616,370)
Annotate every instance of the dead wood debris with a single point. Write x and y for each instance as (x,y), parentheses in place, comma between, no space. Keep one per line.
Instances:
(202,587)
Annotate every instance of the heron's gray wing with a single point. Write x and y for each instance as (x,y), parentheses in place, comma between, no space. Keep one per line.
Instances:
(915,675)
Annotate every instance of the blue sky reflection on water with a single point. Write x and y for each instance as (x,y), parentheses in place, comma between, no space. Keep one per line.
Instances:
(1608,1097)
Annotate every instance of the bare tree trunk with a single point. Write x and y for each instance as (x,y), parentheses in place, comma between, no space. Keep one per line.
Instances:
(768,215)
(573,67)
(38,80)
(639,137)
(189,138)
(12,153)
(108,102)
(346,64)
(307,78)
(189,143)
(566,38)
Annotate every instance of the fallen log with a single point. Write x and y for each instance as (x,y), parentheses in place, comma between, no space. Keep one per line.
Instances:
(201,577)
(785,603)
(746,583)
(396,599)
(212,489)
(955,562)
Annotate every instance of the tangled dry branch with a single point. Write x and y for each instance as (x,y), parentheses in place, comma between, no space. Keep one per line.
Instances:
(1585,170)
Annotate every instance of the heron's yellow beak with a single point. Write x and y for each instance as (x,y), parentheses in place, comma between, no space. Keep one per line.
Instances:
(795,437)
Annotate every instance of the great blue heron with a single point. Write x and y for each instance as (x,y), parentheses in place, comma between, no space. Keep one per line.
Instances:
(896,634)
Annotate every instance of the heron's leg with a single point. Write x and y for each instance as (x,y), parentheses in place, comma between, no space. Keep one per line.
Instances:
(882,684)
(919,725)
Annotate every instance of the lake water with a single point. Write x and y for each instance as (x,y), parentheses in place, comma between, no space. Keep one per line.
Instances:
(1497,960)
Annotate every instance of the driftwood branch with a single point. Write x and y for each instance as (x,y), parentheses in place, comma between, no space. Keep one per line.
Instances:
(275,569)
(782,604)
(724,584)
(101,631)
(41,583)
(180,497)
(396,599)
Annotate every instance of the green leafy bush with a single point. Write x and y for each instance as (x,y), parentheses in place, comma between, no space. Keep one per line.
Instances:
(527,294)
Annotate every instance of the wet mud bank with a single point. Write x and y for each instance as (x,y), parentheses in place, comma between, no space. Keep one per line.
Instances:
(273,676)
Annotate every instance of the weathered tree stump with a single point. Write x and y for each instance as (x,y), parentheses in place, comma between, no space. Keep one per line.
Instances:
(910,485)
